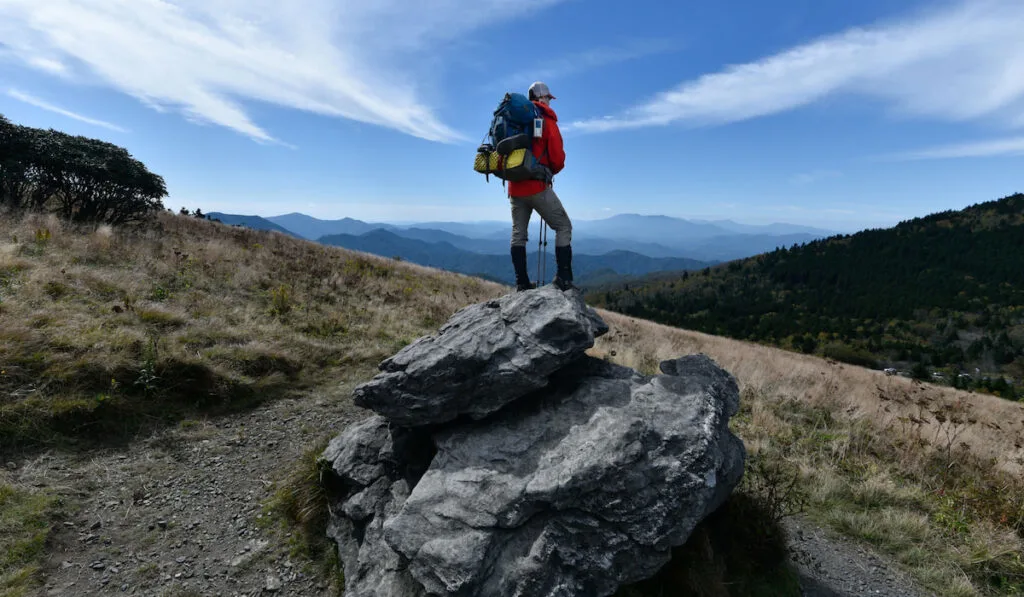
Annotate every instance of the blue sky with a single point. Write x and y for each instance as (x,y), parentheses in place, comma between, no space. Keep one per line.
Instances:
(831,113)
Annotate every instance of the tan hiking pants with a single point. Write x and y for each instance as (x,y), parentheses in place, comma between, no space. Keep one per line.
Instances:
(549,208)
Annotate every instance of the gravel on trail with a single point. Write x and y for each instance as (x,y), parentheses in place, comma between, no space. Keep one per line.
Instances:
(836,567)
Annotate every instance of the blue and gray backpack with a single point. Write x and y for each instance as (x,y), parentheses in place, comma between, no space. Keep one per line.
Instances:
(507,153)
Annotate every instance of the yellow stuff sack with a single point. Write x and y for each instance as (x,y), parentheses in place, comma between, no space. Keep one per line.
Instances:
(487,163)
(518,165)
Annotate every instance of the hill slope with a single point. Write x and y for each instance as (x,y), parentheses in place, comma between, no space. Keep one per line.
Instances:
(164,390)
(131,359)
(941,291)
(184,315)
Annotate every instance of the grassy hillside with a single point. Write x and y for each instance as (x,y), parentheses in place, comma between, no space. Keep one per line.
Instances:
(106,333)
(943,292)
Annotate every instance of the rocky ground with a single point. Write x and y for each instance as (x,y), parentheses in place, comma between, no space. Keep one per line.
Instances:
(833,567)
(180,513)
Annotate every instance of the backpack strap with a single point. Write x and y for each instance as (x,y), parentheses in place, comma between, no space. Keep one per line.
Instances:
(550,176)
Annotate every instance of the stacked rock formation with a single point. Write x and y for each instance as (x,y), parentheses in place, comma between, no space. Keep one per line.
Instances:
(505,461)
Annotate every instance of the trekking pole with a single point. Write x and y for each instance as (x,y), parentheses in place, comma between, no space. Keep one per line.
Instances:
(540,240)
(544,267)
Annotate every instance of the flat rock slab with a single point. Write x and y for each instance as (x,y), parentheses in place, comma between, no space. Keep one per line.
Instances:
(484,357)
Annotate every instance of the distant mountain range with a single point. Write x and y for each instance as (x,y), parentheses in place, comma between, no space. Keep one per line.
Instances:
(312,228)
(254,222)
(444,255)
(612,249)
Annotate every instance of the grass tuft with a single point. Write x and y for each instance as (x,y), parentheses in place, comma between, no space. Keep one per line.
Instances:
(299,506)
(26,518)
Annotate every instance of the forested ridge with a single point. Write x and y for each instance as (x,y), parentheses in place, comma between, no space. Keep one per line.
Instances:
(940,296)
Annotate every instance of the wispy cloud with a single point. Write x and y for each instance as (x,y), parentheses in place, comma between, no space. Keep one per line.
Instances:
(204,58)
(552,69)
(962,62)
(806,178)
(34,101)
(42,63)
(988,148)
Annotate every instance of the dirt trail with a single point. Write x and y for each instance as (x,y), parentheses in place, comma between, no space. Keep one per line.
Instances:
(178,513)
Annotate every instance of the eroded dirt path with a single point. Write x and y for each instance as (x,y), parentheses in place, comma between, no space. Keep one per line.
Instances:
(179,513)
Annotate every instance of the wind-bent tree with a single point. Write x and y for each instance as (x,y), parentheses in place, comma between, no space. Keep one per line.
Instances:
(15,156)
(82,179)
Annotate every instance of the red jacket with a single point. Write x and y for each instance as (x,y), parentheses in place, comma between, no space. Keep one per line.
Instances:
(548,150)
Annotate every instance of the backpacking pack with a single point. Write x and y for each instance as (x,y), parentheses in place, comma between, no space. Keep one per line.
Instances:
(508,153)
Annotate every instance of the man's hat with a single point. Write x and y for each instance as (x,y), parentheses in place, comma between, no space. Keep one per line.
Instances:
(538,90)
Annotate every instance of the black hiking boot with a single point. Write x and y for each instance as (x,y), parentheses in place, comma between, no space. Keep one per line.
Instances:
(519,265)
(563,260)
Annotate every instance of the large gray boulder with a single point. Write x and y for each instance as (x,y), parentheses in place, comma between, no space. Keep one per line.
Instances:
(484,357)
(586,488)
(573,490)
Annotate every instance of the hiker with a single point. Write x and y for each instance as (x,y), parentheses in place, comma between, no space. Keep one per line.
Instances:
(529,195)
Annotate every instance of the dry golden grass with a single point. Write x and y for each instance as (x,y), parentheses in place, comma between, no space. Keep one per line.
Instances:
(993,427)
(102,329)
(928,474)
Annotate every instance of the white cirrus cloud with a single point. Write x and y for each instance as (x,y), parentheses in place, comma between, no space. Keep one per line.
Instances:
(206,58)
(44,105)
(42,63)
(962,62)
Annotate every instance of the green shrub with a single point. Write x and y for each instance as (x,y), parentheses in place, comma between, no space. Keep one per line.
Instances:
(280,300)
